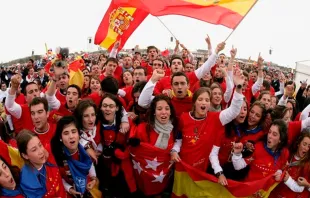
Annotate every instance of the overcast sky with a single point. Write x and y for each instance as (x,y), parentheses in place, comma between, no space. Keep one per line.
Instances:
(282,25)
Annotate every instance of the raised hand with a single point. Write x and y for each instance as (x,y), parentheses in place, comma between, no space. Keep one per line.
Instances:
(304,83)
(58,71)
(117,44)
(208,40)
(15,81)
(220,47)
(233,52)
(157,75)
(260,62)
(177,42)
(238,77)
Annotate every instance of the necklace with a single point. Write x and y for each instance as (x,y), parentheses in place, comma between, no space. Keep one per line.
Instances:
(196,132)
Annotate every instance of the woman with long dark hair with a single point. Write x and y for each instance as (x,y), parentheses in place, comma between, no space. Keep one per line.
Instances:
(76,168)
(159,133)
(86,116)
(269,157)
(296,180)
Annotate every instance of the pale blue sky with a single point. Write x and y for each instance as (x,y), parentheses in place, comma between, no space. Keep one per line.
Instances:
(280,24)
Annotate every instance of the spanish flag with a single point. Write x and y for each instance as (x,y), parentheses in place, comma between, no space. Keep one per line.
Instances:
(193,183)
(228,13)
(75,72)
(118,23)
(10,155)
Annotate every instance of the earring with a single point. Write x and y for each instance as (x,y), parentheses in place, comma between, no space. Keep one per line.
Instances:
(60,140)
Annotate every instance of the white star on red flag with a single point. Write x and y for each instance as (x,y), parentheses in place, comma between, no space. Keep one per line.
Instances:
(152,164)
(159,178)
(137,166)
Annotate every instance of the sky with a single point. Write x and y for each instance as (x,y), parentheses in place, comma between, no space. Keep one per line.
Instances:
(282,25)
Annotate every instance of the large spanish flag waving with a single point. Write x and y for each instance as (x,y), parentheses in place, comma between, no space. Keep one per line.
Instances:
(193,183)
(118,23)
(220,12)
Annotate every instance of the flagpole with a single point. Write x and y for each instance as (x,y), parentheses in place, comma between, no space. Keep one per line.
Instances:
(167,28)
(241,20)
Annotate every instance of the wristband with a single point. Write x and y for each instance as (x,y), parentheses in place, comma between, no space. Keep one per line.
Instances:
(87,146)
(173,150)
(218,174)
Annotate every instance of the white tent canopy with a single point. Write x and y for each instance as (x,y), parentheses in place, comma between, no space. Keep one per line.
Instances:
(302,72)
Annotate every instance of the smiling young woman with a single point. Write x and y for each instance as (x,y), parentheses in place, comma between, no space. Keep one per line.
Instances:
(202,130)
(39,176)
(296,180)
(269,157)
(76,168)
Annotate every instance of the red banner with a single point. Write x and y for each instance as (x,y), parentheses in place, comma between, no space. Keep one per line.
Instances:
(152,168)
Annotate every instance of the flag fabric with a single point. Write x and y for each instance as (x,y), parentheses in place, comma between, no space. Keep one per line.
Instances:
(10,155)
(165,53)
(75,72)
(118,23)
(228,13)
(152,168)
(193,183)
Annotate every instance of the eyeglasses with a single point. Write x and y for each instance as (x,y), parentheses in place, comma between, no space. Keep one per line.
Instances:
(111,106)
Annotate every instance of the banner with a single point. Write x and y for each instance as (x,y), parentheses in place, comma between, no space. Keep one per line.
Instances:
(228,13)
(193,183)
(152,168)
(118,23)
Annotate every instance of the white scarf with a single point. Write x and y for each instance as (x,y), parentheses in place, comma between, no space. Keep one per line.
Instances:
(164,131)
(90,138)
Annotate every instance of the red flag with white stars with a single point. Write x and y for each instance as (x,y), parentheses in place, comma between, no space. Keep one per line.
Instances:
(152,168)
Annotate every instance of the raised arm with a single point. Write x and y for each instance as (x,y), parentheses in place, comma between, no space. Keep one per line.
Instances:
(113,52)
(283,100)
(260,79)
(206,67)
(208,40)
(12,107)
(234,109)
(305,113)
(146,95)
(229,78)
(282,88)
(176,49)
(53,102)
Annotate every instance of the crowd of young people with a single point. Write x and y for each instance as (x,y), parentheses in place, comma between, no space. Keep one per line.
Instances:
(238,122)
